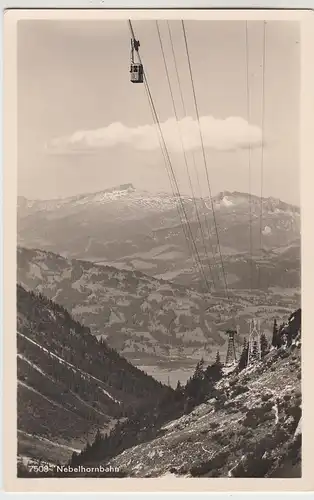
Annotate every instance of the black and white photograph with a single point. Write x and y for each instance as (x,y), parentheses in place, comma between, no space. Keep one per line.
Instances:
(158,280)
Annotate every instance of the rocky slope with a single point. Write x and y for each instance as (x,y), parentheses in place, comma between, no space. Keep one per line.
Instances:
(248,430)
(248,425)
(138,230)
(69,384)
(149,321)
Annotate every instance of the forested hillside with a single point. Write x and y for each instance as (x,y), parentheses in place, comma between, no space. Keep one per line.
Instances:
(69,383)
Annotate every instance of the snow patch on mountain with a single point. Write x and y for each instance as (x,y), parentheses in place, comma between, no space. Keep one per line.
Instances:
(226,202)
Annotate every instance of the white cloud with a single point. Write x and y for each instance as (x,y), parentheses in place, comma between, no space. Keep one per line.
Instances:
(220,134)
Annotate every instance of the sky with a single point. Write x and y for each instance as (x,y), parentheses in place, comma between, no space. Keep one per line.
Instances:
(83,126)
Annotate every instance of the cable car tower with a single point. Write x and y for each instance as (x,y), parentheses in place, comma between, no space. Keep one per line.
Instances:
(254,345)
(136,67)
(231,357)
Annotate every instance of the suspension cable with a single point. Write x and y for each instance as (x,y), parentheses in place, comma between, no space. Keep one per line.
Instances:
(171,180)
(205,162)
(249,154)
(184,154)
(188,234)
(172,171)
(262,149)
(194,162)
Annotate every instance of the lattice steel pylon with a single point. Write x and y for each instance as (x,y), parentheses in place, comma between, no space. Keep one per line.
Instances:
(231,350)
(254,345)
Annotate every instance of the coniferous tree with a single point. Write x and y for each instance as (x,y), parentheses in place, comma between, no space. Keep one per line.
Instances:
(217,368)
(244,356)
(210,372)
(96,448)
(199,370)
(74,460)
(179,392)
(98,436)
(274,341)
(193,388)
(179,388)
(264,345)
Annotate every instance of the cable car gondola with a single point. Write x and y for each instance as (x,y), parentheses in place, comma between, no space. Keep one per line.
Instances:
(136,68)
(136,73)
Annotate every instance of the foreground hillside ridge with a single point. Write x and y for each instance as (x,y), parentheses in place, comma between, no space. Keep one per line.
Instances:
(69,384)
(248,424)
(249,429)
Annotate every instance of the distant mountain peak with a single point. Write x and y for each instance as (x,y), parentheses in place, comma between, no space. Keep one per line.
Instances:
(121,187)
(229,198)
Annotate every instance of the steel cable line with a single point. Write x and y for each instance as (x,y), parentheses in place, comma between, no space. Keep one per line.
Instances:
(207,176)
(163,153)
(205,162)
(170,180)
(194,162)
(184,154)
(186,228)
(249,153)
(262,148)
(172,171)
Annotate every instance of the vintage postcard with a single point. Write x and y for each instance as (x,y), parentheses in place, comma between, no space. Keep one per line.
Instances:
(158,169)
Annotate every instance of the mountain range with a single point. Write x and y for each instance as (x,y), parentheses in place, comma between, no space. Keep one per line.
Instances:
(137,230)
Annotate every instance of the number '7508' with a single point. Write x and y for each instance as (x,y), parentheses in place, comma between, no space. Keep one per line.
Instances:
(38,468)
